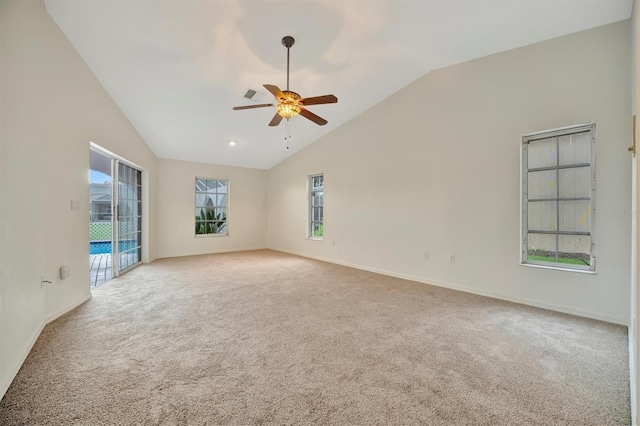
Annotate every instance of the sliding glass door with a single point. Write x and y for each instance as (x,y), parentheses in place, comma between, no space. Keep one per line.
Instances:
(127,223)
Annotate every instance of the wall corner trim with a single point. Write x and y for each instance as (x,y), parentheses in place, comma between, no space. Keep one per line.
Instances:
(632,374)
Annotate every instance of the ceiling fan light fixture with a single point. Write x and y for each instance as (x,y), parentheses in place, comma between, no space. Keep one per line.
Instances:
(289,105)
(288,109)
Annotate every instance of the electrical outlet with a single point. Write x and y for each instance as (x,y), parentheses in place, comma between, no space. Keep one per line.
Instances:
(452,259)
(426,255)
(43,282)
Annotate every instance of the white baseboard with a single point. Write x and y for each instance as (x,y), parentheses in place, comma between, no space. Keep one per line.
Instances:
(522,301)
(200,253)
(13,371)
(633,378)
(69,308)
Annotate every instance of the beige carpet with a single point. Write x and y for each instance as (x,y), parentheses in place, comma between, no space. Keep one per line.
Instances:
(267,338)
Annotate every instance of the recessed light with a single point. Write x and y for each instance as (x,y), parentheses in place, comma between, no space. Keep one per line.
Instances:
(232,143)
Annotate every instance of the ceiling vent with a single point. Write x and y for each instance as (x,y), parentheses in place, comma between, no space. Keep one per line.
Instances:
(254,95)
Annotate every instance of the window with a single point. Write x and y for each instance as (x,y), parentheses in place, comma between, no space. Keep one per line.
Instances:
(101,211)
(316,206)
(558,198)
(211,206)
(100,197)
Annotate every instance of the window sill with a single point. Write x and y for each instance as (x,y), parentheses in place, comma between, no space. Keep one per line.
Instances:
(315,238)
(211,235)
(557,268)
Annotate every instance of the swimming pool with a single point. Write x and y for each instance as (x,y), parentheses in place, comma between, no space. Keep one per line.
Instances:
(104,247)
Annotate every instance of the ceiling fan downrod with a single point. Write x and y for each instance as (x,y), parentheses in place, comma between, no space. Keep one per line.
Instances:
(288,41)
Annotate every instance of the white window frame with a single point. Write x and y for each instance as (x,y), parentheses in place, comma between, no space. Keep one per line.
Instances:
(311,193)
(556,133)
(227,199)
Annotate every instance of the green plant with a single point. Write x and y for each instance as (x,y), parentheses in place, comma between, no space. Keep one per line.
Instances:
(208,222)
(552,259)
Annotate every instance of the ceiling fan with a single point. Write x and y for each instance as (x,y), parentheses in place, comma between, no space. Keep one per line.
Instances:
(290,103)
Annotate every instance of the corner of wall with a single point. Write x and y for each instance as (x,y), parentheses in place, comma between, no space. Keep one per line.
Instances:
(635,261)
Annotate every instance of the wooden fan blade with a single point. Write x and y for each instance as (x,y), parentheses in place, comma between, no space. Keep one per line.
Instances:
(252,106)
(311,116)
(317,100)
(275,120)
(275,90)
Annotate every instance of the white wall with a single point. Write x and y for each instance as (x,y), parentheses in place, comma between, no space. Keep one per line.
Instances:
(436,167)
(52,106)
(635,260)
(247,217)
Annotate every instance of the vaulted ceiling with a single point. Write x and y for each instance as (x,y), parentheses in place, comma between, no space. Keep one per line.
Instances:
(176,68)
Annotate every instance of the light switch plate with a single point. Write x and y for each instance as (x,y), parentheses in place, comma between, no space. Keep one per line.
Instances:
(65,271)
(75,205)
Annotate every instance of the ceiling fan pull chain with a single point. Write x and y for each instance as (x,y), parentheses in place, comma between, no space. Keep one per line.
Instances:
(287,131)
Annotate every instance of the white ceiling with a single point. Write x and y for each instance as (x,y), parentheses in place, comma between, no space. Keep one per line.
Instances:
(176,68)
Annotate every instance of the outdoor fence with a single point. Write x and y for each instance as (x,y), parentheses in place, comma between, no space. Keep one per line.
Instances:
(100,231)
